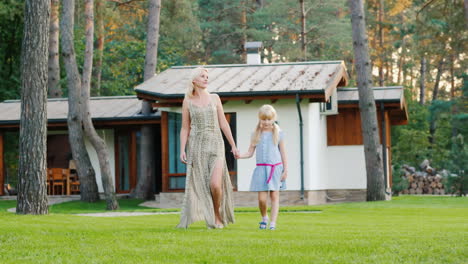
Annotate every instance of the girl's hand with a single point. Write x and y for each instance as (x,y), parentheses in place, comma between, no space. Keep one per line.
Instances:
(183,157)
(284,176)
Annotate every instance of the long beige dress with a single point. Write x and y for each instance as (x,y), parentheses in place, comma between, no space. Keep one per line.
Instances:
(205,148)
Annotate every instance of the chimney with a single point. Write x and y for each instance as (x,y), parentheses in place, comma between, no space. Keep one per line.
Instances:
(253,50)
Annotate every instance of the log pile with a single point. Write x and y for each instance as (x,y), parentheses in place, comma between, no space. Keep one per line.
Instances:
(426,181)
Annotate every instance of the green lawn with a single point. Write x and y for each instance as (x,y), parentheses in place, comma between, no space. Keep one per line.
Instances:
(405,230)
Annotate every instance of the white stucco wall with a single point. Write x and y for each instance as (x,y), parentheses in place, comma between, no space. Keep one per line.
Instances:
(108,136)
(316,169)
(346,167)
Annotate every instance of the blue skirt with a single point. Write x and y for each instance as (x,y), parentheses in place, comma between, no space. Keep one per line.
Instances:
(260,177)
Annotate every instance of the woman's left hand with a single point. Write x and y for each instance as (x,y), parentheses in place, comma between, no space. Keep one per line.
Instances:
(235,152)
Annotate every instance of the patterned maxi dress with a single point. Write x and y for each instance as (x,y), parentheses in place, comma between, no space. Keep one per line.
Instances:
(205,146)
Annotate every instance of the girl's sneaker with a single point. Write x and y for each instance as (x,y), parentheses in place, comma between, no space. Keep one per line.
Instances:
(263,225)
(272,228)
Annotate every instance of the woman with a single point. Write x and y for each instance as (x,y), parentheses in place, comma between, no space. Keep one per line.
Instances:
(208,189)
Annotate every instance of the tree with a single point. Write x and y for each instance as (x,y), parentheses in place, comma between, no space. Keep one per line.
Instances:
(100,37)
(88,188)
(144,188)
(32,189)
(372,151)
(98,143)
(54,66)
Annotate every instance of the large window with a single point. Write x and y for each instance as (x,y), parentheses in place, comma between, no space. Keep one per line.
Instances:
(176,167)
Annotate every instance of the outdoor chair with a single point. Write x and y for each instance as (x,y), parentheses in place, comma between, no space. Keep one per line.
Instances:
(58,179)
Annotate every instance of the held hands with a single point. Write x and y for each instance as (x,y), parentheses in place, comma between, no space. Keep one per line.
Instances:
(183,157)
(235,152)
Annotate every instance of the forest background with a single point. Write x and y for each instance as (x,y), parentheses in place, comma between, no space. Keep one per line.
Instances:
(418,44)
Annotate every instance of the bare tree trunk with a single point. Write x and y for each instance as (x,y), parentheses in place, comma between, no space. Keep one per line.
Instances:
(32,186)
(303,31)
(452,91)
(401,61)
(435,93)
(381,44)
(440,69)
(97,71)
(243,20)
(55,90)
(372,150)
(422,82)
(144,186)
(97,142)
(86,173)
(466,13)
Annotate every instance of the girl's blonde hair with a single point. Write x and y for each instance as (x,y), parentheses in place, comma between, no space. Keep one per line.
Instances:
(266,112)
(193,74)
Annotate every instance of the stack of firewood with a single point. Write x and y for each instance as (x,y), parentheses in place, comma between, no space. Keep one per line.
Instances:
(426,181)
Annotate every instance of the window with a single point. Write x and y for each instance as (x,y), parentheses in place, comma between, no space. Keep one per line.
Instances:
(330,107)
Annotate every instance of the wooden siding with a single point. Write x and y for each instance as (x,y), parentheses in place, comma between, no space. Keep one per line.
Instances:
(164,152)
(345,128)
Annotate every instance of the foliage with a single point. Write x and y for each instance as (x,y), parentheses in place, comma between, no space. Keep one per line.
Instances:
(341,233)
(11,34)
(457,181)
(399,183)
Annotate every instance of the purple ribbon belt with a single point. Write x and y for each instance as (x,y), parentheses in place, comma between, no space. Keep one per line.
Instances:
(272,169)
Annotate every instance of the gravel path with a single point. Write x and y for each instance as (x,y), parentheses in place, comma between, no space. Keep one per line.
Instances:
(118,214)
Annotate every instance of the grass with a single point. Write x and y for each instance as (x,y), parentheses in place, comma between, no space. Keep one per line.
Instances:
(405,230)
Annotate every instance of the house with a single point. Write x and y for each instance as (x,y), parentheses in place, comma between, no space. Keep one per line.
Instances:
(321,122)
(117,120)
(319,116)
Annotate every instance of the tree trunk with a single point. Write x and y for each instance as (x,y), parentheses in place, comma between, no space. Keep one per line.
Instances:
(422,82)
(440,69)
(466,13)
(243,21)
(370,129)
(100,35)
(98,143)
(144,188)
(32,186)
(55,90)
(401,61)
(381,44)
(86,173)
(303,31)
(435,93)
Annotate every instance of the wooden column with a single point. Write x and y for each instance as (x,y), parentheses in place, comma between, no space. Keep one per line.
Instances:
(2,167)
(164,152)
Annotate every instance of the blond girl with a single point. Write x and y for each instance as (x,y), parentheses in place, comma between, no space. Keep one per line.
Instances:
(272,170)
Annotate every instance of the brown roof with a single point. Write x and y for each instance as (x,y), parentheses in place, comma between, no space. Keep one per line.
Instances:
(308,79)
(103,109)
(392,97)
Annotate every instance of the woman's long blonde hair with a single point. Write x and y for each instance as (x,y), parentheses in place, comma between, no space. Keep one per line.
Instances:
(266,112)
(193,74)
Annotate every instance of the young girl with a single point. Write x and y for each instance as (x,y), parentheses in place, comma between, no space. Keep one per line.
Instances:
(272,170)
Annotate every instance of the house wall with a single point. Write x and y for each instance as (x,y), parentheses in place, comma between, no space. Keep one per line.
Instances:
(315,135)
(346,167)
(108,136)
